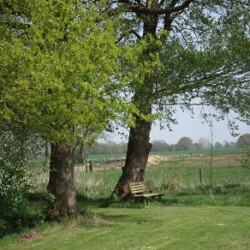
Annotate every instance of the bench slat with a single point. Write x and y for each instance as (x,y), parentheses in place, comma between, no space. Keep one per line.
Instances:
(139,190)
(148,195)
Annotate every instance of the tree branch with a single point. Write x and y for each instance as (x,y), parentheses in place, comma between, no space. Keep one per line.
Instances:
(136,34)
(142,9)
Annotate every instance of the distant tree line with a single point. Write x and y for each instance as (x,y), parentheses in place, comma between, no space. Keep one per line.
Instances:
(184,143)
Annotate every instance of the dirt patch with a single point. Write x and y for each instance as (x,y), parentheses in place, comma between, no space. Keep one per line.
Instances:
(118,164)
(30,236)
(154,159)
(186,160)
(215,164)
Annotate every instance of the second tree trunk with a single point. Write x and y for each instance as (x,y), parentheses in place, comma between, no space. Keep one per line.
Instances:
(61,180)
(137,157)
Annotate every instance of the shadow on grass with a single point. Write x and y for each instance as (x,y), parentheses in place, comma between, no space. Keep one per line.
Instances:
(131,218)
(102,202)
(102,219)
(86,201)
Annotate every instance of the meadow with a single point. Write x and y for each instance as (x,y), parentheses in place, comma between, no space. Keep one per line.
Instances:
(195,213)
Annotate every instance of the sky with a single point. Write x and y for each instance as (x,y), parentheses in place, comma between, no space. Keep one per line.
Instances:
(196,129)
(193,128)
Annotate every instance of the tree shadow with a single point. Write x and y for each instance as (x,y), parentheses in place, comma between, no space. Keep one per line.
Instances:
(86,201)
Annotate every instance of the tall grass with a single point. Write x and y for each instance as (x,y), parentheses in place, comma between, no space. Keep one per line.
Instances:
(167,172)
(97,184)
(230,185)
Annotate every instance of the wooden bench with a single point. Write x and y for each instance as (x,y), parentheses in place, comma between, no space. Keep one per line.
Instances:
(139,191)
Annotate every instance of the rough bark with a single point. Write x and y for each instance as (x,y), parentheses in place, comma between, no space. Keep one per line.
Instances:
(137,157)
(138,147)
(61,180)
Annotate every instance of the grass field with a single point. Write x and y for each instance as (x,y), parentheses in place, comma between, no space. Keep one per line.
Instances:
(213,214)
(155,227)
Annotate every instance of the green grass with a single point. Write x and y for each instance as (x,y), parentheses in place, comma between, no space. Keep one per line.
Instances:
(169,171)
(211,215)
(103,157)
(155,227)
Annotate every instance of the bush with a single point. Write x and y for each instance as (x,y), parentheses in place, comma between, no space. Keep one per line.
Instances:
(15,185)
(245,161)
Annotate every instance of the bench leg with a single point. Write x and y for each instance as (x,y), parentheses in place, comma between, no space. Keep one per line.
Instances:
(141,199)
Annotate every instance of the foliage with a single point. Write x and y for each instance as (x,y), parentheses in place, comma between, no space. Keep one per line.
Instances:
(246,158)
(15,184)
(62,74)
(14,180)
(108,148)
(114,150)
(244,140)
(185,143)
(161,145)
(61,68)
(196,53)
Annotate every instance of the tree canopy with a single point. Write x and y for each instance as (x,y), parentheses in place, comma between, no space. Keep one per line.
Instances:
(196,53)
(244,140)
(61,68)
(185,143)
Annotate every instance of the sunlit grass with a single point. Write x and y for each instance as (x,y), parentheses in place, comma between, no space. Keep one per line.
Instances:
(155,227)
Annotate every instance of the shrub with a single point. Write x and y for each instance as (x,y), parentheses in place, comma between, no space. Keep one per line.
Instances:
(15,185)
(245,161)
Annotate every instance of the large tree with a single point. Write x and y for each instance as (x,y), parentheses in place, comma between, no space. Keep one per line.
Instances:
(244,140)
(195,53)
(60,71)
(185,143)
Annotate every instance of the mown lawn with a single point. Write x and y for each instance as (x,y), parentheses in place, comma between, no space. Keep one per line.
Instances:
(154,227)
(210,215)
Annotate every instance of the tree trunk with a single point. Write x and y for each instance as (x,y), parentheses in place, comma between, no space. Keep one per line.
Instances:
(137,151)
(138,145)
(137,156)
(61,180)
